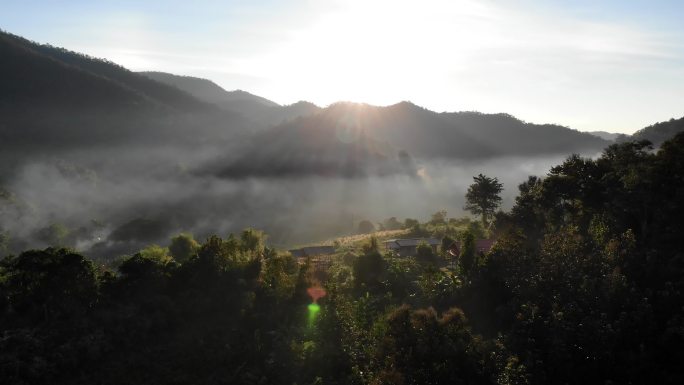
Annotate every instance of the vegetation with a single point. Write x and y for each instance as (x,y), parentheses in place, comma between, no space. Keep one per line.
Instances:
(656,133)
(484,197)
(584,285)
(366,226)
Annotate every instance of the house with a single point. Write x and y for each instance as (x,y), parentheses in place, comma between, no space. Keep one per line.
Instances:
(409,247)
(482,246)
(319,256)
(312,251)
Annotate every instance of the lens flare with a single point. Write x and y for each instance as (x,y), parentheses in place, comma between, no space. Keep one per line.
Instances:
(315,293)
(314,308)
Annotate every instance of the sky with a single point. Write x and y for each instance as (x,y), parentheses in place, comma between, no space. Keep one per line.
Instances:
(611,65)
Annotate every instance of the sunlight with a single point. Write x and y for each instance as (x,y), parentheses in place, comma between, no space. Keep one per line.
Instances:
(373,52)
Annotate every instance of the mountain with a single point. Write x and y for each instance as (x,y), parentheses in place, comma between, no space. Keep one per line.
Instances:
(53,98)
(46,75)
(657,133)
(609,136)
(311,146)
(503,134)
(255,108)
(351,140)
(206,90)
(427,134)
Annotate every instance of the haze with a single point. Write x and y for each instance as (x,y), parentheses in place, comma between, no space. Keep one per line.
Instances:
(615,66)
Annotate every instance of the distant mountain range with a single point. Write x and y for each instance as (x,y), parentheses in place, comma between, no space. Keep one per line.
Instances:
(609,136)
(256,108)
(52,98)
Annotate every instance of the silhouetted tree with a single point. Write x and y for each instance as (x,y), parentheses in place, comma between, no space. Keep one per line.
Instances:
(483,197)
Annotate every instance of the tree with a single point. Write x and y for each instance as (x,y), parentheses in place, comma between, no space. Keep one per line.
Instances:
(46,285)
(410,223)
(252,241)
(439,217)
(483,197)
(467,258)
(182,247)
(369,267)
(156,253)
(392,224)
(424,253)
(366,227)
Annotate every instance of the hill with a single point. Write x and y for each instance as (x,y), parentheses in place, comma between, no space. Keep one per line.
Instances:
(406,130)
(657,133)
(255,108)
(54,98)
(460,135)
(313,146)
(206,90)
(609,136)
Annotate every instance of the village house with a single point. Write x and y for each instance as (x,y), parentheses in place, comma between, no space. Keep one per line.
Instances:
(482,246)
(409,247)
(320,256)
(312,251)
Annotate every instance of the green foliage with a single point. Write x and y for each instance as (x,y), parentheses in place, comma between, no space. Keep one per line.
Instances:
(584,285)
(392,224)
(447,241)
(483,197)
(467,258)
(46,286)
(369,269)
(183,247)
(440,217)
(410,223)
(425,254)
(420,347)
(252,241)
(279,276)
(156,253)
(418,231)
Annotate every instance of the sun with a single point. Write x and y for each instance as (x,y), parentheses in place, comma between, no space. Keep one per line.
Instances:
(378,52)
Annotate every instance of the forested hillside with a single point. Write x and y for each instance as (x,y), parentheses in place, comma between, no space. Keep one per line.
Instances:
(256,108)
(583,286)
(463,135)
(53,98)
(657,133)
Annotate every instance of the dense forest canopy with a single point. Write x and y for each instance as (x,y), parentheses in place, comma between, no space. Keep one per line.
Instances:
(583,286)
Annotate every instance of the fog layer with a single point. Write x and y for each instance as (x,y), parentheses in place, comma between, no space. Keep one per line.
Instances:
(107,204)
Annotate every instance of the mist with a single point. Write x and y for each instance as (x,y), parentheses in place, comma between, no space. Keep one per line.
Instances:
(108,203)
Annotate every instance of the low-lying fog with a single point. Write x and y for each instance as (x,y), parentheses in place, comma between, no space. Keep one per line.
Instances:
(105,204)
